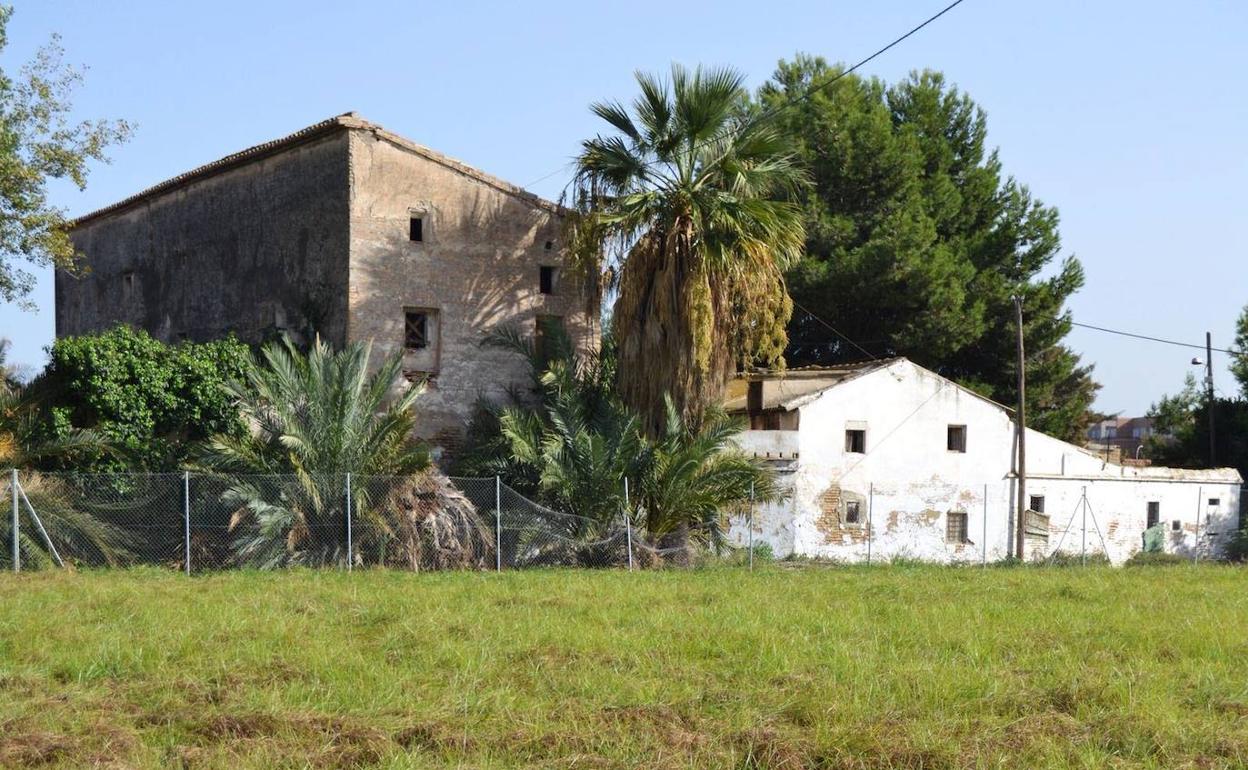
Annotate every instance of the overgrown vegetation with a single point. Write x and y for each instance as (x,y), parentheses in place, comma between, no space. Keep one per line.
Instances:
(912,216)
(901,667)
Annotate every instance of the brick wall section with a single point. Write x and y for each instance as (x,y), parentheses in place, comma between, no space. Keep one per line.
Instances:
(477,267)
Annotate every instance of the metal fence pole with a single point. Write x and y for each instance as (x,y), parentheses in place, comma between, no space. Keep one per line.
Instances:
(17,553)
(751,525)
(186,515)
(348,522)
(628,526)
(498,524)
(1083,541)
(870,515)
(984,558)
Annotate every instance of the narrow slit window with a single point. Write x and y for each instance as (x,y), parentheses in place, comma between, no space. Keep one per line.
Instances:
(416,330)
(955,438)
(956,527)
(1036,503)
(547,279)
(416,229)
(856,441)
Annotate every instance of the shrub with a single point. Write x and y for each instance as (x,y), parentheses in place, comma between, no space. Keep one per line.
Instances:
(1156,559)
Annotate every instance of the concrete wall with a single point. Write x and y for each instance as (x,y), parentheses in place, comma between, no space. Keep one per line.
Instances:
(908,482)
(253,250)
(477,267)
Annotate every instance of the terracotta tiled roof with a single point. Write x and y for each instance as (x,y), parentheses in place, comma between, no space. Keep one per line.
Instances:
(346,121)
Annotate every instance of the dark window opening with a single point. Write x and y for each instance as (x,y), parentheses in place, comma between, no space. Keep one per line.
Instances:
(416,229)
(1036,504)
(546,279)
(769,421)
(1176,525)
(956,527)
(1154,513)
(416,330)
(955,440)
(856,441)
(1214,502)
(550,245)
(853,512)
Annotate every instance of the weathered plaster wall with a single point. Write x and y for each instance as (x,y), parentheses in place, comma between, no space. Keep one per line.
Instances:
(909,481)
(254,250)
(477,267)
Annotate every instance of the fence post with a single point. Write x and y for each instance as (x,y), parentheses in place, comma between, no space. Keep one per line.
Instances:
(186,517)
(17,552)
(870,519)
(628,526)
(1200,495)
(498,524)
(984,558)
(750,523)
(348,521)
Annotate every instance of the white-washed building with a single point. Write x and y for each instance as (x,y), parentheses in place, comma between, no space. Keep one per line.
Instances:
(889,460)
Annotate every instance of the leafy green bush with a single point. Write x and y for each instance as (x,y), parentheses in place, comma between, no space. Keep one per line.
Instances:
(152,403)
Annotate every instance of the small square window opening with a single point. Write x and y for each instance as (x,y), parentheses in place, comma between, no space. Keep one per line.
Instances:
(416,330)
(416,229)
(853,512)
(856,441)
(1036,503)
(1176,526)
(955,439)
(550,245)
(956,527)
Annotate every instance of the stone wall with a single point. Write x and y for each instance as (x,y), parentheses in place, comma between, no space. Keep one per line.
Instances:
(475,269)
(254,249)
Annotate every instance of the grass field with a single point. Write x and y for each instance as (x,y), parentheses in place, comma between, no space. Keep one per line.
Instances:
(905,667)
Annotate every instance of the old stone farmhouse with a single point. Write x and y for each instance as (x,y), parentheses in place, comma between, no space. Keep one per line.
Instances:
(345,230)
(888,460)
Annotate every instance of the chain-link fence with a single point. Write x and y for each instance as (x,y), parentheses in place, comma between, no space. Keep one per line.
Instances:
(199,522)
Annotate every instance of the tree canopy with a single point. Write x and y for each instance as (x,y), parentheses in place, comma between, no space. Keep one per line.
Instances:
(917,241)
(39,142)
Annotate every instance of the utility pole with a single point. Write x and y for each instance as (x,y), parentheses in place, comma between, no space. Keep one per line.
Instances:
(1021,417)
(1209,387)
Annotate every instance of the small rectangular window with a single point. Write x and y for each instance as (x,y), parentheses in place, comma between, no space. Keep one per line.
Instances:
(1214,502)
(547,278)
(1154,513)
(550,245)
(955,440)
(856,441)
(416,330)
(956,527)
(416,229)
(853,512)
(1176,525)
(1036,504)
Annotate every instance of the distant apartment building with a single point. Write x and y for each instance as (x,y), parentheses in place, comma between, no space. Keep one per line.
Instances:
(346,231)
(1120,438)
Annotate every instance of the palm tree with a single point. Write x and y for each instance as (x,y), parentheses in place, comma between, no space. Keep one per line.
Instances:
(686,210)
(25,443)
(693,474)
(315,418)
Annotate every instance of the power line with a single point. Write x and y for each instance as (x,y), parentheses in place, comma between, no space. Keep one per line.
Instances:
(1155,339)
(865,352)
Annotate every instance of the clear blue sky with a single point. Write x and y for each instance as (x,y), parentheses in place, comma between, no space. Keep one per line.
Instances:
(1128,116)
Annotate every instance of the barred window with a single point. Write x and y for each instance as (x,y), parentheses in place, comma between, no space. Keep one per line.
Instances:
(956,527)
(416,329)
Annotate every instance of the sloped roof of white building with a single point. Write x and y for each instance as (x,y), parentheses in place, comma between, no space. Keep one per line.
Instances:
(791,388)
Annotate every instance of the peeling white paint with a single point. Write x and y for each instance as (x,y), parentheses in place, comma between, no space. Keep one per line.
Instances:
(911,482)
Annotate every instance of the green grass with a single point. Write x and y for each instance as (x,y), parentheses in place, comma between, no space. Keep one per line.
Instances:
(905,667)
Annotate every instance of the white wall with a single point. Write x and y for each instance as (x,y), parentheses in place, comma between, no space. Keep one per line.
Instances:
(908,481)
